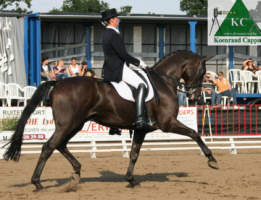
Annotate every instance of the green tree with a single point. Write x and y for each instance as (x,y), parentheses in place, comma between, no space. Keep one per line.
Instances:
(125,9)
(15,4)
(194,7)
(82,6)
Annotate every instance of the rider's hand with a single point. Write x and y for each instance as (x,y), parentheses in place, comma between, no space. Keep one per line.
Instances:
(142,64)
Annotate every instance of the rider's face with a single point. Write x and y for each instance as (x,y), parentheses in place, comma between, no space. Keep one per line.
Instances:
(115,21)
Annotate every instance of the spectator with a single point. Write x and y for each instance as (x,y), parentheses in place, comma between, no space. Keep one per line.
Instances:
(85,71)
(224,89)
(208,87)
(74,68)
(46,72)
(248,64)
(60,70)
(181,93)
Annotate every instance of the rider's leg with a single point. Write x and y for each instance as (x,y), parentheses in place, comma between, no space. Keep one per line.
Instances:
(141,119)
(130,77)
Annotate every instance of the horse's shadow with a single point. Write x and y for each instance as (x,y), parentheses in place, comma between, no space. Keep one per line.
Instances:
(109,176)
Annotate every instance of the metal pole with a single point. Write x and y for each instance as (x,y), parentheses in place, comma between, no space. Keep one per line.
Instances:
(193,36)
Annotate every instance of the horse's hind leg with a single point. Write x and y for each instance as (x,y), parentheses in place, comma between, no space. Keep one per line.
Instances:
(47,150)
(67,154)
(138,139)
(76,166)
(177,127)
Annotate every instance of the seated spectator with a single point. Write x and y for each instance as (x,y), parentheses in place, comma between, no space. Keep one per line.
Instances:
(224,89)
(46,72)
(74,68)
(248,64)
(85,71)
(60,70)
(208,87)
(181,94)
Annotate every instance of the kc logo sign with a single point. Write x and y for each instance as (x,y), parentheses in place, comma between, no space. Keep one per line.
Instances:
(234,22)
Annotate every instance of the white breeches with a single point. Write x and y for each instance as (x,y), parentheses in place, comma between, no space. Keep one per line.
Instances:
(130,77)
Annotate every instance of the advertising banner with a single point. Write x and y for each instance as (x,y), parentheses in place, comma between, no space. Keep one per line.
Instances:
(234,22)
(40,126)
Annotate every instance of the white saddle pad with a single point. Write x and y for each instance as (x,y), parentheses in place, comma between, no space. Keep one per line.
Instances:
(125,92)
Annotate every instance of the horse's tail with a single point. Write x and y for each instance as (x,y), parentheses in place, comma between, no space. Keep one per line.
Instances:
(14,150)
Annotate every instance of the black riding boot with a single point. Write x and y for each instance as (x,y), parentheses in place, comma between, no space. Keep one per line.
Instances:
(141,119)
(114,131)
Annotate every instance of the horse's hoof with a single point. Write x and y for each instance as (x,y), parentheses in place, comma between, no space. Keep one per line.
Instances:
(213,164)
(133,184)
(76,178)
(39,187)
(72,186)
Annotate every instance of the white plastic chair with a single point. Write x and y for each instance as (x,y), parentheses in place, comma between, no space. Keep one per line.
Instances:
(206,98)
(235,77)
(225,100)
(14,92)
(249,82)
(28,93)
(3,94)
(258,74)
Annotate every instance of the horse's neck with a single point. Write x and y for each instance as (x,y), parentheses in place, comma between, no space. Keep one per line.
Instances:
(169,81)
(172,71)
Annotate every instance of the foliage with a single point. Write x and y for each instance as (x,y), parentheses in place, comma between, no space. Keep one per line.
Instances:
(8,124)
(194,7)
(16,4)
(82,6)
(125,9)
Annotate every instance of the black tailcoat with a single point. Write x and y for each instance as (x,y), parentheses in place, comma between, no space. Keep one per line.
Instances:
(115,55)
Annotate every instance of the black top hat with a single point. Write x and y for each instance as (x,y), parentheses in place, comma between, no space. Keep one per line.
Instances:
(108,14)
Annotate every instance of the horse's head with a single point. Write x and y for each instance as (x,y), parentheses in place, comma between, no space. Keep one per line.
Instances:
(186,65)
(193,74)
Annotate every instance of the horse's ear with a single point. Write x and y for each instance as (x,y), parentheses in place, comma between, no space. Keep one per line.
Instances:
(205,59)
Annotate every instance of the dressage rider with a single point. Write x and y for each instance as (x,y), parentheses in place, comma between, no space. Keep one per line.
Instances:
(116,64)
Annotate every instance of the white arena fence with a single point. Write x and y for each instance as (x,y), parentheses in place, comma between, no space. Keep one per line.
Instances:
(122,144)
(94,138)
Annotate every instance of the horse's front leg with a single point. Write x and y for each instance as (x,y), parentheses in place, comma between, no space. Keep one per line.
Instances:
(174,126)
(138,139)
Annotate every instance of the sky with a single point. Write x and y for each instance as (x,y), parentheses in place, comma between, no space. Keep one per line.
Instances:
(138,6)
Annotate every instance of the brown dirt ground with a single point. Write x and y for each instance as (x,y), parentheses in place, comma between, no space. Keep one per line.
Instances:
(182,175)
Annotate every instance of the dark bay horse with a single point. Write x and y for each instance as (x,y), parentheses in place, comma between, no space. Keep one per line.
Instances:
(77,100)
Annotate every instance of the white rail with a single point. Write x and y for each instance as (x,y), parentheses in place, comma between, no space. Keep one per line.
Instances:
(123,145)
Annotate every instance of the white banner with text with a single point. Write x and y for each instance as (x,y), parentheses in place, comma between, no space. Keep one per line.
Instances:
(40,126)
